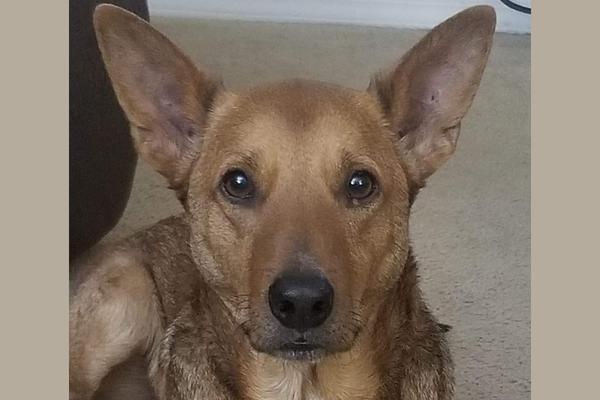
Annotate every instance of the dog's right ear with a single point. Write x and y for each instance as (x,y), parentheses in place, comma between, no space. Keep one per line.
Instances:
(165,97)
(428,92)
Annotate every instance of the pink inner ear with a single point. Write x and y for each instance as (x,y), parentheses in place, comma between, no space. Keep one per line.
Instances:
(434,97)
(433,85)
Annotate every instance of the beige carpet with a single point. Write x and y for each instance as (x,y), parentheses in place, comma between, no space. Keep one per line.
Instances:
(471,225)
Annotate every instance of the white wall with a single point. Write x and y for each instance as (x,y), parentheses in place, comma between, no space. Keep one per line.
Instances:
(397,13)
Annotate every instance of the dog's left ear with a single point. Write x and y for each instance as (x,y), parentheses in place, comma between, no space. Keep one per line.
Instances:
(165,97)
(426,95)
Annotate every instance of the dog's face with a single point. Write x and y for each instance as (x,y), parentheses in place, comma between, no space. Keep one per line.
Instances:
(298,193)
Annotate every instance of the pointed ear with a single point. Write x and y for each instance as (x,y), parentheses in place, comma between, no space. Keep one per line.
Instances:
(426,95)
(164,96)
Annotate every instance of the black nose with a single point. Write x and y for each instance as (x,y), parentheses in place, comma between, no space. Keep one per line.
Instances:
(301,302)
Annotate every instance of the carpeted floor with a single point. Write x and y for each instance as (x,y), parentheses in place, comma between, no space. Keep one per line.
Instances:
(470,226)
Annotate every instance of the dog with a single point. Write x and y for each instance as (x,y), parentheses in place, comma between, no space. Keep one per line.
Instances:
(289,275)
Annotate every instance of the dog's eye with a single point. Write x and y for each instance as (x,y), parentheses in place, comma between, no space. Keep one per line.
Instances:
(238,185)
(360,185)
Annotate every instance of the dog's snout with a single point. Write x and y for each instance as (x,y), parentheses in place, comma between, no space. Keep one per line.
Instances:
(301,302)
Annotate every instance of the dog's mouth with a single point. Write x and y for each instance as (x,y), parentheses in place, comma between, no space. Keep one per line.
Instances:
(300,350)
(311,345)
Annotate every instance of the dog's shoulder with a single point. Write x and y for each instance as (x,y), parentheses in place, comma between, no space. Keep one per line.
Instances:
(418,363)
(162,250)
(165,251)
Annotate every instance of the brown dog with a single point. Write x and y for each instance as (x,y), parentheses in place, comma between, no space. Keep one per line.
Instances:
(290,274)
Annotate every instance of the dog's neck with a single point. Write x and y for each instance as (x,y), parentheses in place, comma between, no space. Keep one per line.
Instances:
(344,376)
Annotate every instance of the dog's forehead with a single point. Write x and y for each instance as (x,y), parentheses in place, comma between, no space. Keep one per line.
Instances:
(301,111)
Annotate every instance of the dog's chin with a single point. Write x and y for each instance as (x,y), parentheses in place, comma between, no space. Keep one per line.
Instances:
(300,353)
(291,351)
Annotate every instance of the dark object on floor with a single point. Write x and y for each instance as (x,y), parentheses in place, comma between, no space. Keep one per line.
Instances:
(101,155)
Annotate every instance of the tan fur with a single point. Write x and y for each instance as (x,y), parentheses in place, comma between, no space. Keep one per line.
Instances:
(345,376)
(113,315)
(186,300)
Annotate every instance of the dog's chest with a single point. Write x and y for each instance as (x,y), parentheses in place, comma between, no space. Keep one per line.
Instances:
(281,382)
(189,364)
(336,379)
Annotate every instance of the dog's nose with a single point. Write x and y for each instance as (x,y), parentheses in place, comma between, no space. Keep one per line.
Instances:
(301,302)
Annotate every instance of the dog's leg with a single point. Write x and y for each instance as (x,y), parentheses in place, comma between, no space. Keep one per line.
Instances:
(127,381)
(113,313)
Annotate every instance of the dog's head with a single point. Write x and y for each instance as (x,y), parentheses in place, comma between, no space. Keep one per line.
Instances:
(298,192)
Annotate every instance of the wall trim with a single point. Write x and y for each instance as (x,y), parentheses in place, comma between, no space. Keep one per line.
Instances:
(421,14)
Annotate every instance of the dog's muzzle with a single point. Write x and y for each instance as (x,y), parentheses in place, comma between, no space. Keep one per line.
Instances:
(301,301)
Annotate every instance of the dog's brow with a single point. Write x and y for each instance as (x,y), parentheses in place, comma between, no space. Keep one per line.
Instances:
(350,159)
(248,158)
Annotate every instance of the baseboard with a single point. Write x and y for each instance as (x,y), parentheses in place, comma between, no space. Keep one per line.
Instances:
(421,14)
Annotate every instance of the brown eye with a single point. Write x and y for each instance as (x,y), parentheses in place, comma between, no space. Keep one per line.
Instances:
(238,185)
(360,185)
